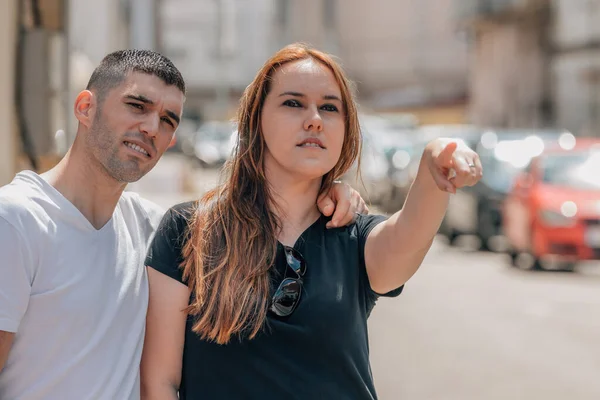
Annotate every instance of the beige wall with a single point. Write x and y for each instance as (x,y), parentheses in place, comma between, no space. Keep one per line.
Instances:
(576,65)
(8,134)
(507,79)
(399,42)
(189,36)
(398,51)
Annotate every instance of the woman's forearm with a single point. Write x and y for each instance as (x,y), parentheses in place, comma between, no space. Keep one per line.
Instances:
(424,209)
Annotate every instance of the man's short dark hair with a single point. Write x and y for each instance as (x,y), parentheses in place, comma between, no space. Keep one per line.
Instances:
(115,67)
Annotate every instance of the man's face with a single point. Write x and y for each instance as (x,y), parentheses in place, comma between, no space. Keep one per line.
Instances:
(134,125)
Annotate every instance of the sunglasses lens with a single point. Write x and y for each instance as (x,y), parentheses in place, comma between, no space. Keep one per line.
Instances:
(295,261)
(286,297)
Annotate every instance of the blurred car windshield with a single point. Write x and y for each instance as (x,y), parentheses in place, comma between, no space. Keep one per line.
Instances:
(499,175)
(502,163)
(216,131)
(577,170)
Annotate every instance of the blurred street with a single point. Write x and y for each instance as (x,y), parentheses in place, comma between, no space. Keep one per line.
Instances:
(468,326)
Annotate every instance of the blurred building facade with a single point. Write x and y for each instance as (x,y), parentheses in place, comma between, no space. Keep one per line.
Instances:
(218,45)
(33,77)
(534,63)
(8,117)
(509,54)
(575,66)
(403,55)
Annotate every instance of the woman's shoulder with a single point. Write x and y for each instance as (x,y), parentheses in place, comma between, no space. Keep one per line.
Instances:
(364,223)
(177,219)
(358,230)
(182,212)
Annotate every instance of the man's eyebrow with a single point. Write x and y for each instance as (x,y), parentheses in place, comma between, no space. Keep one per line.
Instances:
(146,100)
(298,94)
(139,97)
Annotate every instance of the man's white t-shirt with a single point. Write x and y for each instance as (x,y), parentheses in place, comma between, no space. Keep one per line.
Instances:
(76,297)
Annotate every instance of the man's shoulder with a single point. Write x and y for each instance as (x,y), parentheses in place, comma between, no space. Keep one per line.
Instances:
(133,203)
(149,215)
(21,202)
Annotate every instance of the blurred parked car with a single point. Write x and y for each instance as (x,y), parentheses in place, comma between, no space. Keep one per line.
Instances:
(399,149)
(373,181)
(213,143)
(186,131)
(552,213)
(504,154)
(405,164)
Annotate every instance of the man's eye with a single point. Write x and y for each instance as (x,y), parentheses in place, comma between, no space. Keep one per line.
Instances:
(168,121)
(292,103)
(330,107)
(136,105)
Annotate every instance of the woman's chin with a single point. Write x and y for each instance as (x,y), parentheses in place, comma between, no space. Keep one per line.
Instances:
(305,169)
(311,172)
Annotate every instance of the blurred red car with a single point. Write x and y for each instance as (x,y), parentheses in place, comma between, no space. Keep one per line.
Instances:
(552,212)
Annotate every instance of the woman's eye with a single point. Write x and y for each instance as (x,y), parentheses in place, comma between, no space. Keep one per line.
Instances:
(330,107)
(292,103)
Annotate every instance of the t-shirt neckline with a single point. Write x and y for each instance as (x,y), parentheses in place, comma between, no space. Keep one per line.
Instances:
(62,201)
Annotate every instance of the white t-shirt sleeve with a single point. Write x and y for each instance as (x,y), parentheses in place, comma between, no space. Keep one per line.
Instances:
(15,277)
(153,211)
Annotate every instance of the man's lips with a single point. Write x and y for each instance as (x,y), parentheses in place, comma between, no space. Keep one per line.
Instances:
(139,146)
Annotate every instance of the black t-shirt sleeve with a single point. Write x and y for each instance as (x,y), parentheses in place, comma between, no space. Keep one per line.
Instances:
(364,226)
(165,252)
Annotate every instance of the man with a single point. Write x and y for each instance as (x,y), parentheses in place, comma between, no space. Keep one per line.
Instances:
(73,288)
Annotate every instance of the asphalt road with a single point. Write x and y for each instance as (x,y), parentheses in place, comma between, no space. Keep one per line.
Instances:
(468,326)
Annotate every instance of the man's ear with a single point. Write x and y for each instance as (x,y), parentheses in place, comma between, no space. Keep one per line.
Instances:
(173,141)
(85,107)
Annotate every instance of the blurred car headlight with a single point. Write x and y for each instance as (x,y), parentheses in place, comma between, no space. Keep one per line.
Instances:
(206,152)
(401,179)
(374,168)
(401,159)
(555,218)
(226,150)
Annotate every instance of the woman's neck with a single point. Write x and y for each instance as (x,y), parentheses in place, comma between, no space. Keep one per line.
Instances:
(295,205)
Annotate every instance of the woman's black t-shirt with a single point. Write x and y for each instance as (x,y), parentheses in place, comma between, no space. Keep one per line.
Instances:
(321,351)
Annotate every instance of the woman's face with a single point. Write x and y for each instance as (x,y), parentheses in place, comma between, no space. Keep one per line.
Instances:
(303,121)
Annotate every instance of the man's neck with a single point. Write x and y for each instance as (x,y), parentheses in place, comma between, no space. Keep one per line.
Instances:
(84,183)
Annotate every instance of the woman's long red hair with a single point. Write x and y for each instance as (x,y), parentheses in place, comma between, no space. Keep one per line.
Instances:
(233,234)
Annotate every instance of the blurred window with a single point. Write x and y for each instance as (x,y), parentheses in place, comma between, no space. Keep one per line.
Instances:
(215,131)
(283,12)
(329,12)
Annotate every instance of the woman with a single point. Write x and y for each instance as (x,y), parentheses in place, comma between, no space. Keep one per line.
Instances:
(251,297)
